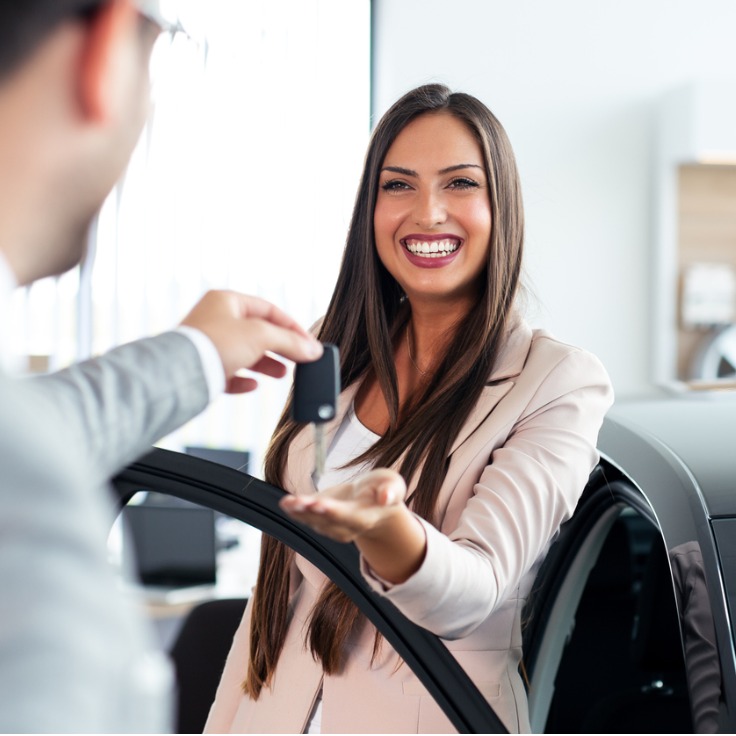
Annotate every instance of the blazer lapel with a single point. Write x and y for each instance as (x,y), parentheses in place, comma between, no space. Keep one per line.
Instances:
(510,363)
(490,396)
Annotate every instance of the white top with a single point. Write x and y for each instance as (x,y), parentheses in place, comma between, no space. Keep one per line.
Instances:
(351,440)
(211,362)
(7,286)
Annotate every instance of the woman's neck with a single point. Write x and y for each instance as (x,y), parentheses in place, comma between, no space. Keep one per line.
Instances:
(431,328)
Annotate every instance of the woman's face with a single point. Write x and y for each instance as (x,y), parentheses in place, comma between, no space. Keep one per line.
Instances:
(432,221)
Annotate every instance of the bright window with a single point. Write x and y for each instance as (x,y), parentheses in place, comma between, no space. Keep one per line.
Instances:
(244,179)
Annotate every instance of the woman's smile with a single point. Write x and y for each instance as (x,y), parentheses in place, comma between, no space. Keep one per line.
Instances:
(431,251)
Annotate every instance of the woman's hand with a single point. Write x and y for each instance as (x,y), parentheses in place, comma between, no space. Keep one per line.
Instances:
(370,512)
(351,510)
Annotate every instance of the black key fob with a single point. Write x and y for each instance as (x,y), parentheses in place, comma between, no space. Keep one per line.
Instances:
(316,388)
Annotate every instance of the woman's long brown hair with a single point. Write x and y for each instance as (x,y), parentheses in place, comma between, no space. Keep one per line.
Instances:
(366,313)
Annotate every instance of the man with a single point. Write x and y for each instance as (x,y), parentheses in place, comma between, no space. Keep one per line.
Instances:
(73,99)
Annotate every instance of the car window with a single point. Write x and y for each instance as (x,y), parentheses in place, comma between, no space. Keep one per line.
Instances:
(239,496)
(622,669)
(607,654)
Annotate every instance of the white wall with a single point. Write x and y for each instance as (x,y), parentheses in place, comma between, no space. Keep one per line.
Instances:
(578,86)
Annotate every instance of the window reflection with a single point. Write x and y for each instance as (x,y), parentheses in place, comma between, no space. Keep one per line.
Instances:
(699,636)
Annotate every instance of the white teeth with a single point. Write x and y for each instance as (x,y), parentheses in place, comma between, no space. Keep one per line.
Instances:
(434,249)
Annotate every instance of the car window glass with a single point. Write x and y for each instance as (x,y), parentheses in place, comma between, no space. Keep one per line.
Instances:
(442,684)
(193,569)
(622,669)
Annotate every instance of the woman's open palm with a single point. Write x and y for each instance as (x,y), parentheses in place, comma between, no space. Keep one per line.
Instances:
(350,510)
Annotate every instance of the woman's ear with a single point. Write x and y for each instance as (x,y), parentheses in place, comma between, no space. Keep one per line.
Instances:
(108,60)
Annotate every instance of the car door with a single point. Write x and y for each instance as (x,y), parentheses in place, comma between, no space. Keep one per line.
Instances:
(255,502)
(628,629)
(602,639)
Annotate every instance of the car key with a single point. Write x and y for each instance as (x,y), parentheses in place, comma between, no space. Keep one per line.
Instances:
(316,388)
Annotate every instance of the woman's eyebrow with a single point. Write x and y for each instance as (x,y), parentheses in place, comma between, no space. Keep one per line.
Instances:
(400,170)
(447,170)
(457,167)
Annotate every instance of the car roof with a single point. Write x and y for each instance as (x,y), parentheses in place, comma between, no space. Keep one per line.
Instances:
(698,433)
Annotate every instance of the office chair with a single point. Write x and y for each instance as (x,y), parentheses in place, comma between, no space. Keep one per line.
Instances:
(199,653)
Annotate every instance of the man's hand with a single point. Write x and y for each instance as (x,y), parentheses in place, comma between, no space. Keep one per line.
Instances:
(243,329)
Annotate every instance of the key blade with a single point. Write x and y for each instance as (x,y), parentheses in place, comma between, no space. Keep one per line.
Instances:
(316,388)
(319,454)
(319,441)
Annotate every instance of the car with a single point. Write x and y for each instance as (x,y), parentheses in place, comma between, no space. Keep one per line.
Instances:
(628,628)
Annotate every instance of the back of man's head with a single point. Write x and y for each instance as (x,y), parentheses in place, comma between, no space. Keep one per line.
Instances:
(74,95)
(24,24)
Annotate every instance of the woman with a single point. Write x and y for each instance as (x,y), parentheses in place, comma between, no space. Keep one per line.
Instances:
(490,425)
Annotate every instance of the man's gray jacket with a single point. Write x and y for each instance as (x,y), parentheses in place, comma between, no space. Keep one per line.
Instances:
(75,654)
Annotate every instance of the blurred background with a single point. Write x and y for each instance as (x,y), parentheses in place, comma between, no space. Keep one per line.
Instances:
(622,116)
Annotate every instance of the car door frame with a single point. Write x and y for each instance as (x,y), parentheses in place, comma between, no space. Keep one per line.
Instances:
(639,471)
(256,502)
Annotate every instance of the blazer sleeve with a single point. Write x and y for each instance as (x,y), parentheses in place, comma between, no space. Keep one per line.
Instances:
(118,405)
(75,654)
(530,486)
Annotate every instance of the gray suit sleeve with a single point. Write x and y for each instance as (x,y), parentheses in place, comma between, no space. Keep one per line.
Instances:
(116,406)
(75,655)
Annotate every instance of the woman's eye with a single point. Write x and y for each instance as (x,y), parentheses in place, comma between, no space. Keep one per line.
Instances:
(463,183)
(394,186)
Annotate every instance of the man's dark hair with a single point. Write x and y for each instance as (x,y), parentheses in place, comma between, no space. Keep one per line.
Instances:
(24,24)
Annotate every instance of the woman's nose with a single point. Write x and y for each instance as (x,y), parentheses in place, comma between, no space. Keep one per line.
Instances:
(429,210)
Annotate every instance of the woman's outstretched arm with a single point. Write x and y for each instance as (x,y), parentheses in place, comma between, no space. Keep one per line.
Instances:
(370,512)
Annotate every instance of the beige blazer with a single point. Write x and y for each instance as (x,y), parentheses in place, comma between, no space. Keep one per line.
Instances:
(515,474)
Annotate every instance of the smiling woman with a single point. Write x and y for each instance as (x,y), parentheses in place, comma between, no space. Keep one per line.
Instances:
(462,440)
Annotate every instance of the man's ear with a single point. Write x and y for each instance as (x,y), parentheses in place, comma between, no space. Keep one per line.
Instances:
(106,59)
